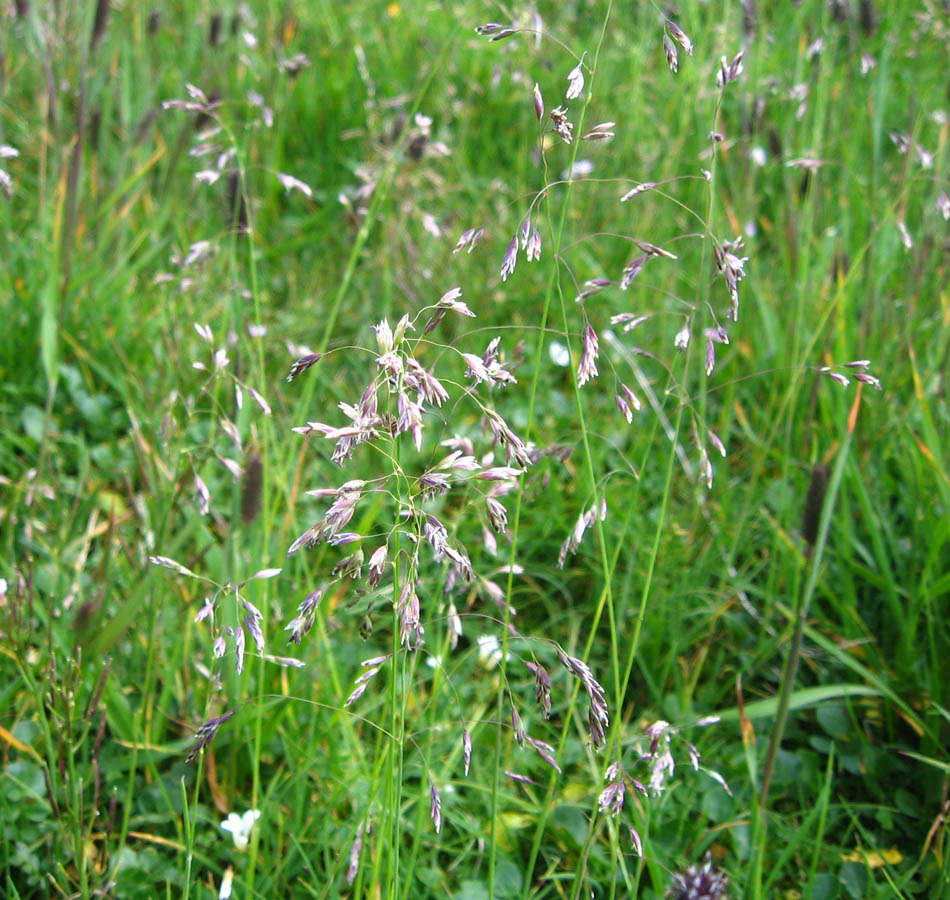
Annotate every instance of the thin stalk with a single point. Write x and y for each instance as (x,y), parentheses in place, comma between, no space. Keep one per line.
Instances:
(378,196)
(266,520)
(800,617)
(789,676)
(553,284)
(395,746)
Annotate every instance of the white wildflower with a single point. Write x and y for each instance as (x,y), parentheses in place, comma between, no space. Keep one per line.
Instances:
(240,827)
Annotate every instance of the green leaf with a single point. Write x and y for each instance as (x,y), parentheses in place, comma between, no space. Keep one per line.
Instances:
(472,890)
(854,877)
(572,821)
(835,721)
(800,699)
(825,887)
(33,420)
(507,878)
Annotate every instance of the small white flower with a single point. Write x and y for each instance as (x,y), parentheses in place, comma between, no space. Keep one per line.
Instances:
(581,169)
(225,890)
(560,355)
(430,224)
(240,826)
(489,650)
(759,156)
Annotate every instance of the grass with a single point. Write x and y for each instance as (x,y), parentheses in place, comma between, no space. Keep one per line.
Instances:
(683,600)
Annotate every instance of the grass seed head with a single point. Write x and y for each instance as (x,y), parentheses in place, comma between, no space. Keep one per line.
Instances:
(703,882)
(814,501)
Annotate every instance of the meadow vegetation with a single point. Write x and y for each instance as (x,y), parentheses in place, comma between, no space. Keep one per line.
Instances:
(453,450)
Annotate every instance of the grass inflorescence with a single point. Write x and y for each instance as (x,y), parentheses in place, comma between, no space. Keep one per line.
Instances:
(488,459)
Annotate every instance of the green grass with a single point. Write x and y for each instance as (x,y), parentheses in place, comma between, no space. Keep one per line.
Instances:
(682,600)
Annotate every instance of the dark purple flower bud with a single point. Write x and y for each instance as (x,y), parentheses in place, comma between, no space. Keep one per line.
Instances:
(624,408)
(671,56)
(546,752)
(837,376)
(866,378)
(464,239)
(612,797)
(632,269)
(518,727)
(206,734)
(680,36)
(635,840)
(302,364)
(434,321)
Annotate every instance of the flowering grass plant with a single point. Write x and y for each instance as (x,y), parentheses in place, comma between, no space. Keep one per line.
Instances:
(505,457)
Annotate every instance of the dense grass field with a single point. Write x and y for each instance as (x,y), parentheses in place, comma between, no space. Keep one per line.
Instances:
(453,450)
